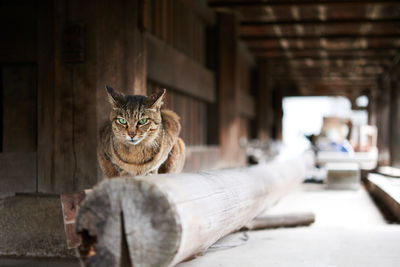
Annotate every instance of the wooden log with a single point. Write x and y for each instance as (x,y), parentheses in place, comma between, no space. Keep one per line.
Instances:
(162,220)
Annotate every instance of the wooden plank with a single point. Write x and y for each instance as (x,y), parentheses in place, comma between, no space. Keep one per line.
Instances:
(170,67)
(17,172)
(166,219)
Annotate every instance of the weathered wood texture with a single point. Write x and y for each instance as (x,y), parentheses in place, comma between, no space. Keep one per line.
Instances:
(168,218)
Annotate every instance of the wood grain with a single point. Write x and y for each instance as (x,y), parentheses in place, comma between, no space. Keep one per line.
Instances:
(168,218)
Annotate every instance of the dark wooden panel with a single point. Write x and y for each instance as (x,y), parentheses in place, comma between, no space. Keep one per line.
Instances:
(17,173)
(181,24)
(19,108)
(191,111)
(170,67)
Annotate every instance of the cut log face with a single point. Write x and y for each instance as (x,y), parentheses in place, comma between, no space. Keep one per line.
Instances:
(132,211)
(162,220)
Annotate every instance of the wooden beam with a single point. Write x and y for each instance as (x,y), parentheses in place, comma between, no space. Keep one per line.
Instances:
(172,68)
(322,53)
(325,49)
(348,37)
(327,57)
(318,22)
(165,219)
(277,3)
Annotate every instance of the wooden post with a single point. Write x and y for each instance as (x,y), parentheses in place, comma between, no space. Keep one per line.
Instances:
(395,119)
(264,102)
(228,101)
(162,220)
(383,119)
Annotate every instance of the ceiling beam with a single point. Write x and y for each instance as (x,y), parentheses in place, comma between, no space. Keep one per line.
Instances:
(323,54)
(283,3)
(318,22)
(319,36)
(377,58)
(385,48)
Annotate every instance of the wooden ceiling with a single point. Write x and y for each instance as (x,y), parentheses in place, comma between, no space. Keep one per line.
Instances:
(325,47)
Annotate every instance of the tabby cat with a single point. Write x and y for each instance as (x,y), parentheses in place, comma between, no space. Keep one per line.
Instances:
(141,138)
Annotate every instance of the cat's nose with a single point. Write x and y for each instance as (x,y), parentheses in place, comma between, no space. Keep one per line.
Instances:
(131,134)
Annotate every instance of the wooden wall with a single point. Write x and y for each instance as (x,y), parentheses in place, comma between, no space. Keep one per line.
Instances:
(68,50)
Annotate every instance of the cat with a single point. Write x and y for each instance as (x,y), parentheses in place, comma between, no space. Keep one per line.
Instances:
(141,137)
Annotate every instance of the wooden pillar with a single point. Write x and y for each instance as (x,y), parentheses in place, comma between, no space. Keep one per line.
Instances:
(395,119)
(228,97)
(383,119)
(264,113)
(277,97)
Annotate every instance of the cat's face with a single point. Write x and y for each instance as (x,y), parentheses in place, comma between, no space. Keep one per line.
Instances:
(135,119)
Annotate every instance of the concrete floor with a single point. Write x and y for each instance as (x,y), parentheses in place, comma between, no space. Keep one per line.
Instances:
(349,231)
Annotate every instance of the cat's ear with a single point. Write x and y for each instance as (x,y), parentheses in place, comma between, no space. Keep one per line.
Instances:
(156,100)
(114,97)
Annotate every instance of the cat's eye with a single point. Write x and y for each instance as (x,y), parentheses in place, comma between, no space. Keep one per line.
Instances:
(122,121)
(142,121)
